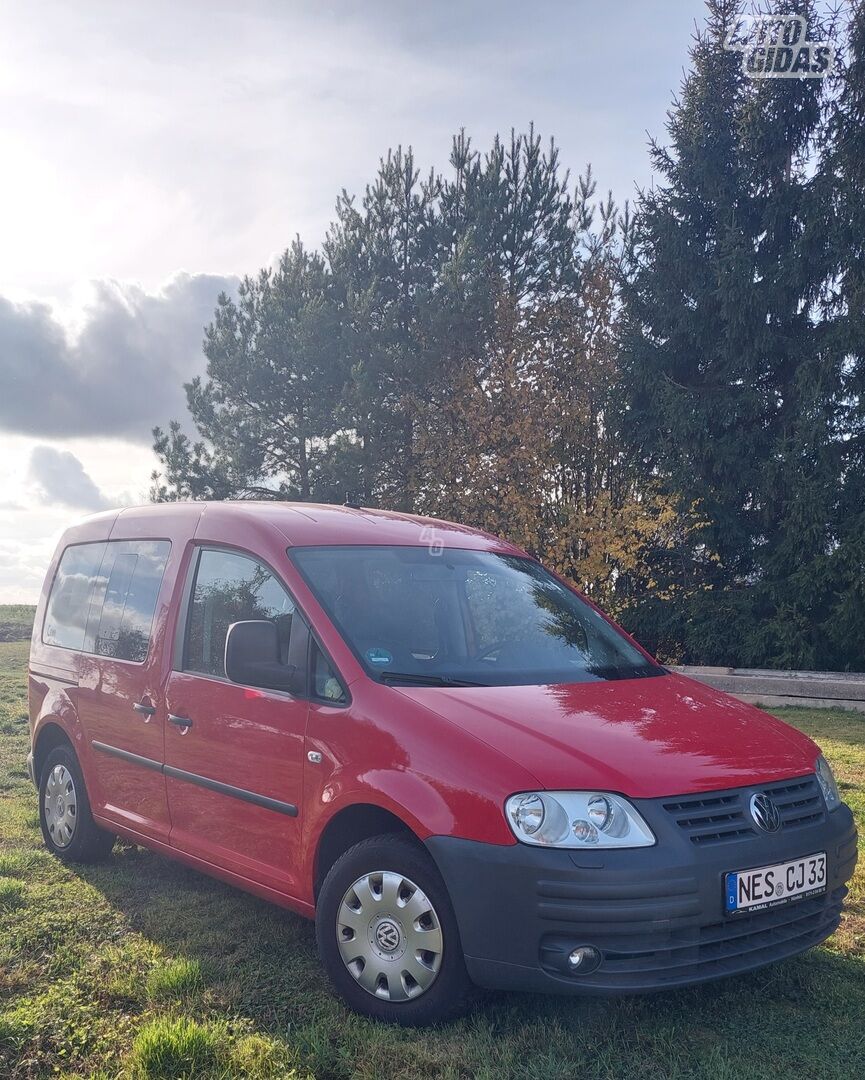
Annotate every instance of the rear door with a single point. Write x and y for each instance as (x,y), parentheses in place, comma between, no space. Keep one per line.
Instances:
(234,754)
(121,672)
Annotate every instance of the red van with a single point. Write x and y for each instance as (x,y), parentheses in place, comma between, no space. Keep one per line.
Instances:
(414,733)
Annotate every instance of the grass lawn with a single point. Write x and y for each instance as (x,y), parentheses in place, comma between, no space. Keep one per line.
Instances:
(141,968)
(16,621)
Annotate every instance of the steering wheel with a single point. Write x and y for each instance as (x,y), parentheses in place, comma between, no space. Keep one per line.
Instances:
(484,654)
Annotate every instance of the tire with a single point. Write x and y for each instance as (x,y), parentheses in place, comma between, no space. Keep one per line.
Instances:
(68,827)
(377,904)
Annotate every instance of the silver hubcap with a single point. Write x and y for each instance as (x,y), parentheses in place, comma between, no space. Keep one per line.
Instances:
(389,936)
(61,806)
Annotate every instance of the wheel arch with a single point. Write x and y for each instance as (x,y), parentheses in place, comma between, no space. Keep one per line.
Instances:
(49,736)
(348,826)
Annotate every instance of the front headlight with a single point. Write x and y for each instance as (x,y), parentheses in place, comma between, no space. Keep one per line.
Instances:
(576,819)
(826,780)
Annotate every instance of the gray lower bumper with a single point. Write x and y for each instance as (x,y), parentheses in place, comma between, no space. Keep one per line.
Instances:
(657,914)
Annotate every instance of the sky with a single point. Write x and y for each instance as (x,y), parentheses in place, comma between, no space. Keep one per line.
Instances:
(152,154)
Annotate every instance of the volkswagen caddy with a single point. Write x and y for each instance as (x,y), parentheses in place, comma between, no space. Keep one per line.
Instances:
(414,733)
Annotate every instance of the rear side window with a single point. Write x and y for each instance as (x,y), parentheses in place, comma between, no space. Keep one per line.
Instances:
(69,603)
(229,588)
(125,598)
(104,598)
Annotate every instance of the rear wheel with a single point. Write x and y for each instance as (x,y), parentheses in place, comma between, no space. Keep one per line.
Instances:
(388,936)
(68,827)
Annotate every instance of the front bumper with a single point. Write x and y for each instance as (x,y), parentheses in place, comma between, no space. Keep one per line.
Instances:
(656,914)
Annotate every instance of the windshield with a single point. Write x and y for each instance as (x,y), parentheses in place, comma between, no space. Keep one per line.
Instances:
(456,616)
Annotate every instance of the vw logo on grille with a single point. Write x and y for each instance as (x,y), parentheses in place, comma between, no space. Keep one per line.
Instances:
(387,936)
(765,812)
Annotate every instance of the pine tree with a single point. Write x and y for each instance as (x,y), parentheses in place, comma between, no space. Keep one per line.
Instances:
(383,258)
(454,352)
(735,393)
(273,395)
(843,172)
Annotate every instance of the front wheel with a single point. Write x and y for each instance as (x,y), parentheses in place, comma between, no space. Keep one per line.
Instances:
(388,936)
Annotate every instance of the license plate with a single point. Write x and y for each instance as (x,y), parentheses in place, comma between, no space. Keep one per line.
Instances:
(769,886)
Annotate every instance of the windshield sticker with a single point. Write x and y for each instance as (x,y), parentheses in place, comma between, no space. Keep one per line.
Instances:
(378,656)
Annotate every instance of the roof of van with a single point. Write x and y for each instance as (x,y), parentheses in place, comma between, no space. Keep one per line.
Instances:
(304,523)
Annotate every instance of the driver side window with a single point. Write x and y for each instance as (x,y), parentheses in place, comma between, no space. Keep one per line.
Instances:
(230,587)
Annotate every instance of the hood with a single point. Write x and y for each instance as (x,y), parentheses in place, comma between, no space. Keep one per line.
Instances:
(645,738)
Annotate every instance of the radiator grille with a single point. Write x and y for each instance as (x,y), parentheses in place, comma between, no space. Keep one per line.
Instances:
(722,817)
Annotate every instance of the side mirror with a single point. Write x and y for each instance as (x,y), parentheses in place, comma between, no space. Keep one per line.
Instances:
(252,657)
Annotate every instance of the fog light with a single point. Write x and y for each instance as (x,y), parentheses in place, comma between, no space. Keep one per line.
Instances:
(584,959)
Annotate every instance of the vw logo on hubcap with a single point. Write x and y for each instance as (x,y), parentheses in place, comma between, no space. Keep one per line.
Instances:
(765,812)
(387,936)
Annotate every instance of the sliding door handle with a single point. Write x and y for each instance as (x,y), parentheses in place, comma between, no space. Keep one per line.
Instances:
(143,708)
(180,721)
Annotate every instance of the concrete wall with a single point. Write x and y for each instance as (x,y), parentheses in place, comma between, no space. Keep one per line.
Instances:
(814,689)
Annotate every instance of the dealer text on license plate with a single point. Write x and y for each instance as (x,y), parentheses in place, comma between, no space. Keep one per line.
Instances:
(768,886)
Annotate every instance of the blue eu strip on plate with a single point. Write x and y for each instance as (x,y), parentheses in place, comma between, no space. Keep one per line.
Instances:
(732,882)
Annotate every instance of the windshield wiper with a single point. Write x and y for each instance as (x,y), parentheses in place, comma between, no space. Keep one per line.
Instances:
(425,680)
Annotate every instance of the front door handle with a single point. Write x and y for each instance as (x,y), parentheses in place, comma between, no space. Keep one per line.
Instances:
(143,708)
(179,721)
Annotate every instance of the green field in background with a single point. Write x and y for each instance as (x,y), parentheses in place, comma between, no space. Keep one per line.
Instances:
(16,621)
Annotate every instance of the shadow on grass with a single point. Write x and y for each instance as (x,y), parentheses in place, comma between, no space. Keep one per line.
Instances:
(253,955)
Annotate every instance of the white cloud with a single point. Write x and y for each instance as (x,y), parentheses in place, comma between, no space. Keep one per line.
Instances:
(30,528)
(145,138)
(27,541)
(141,139)
(124,370)
(60,480)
